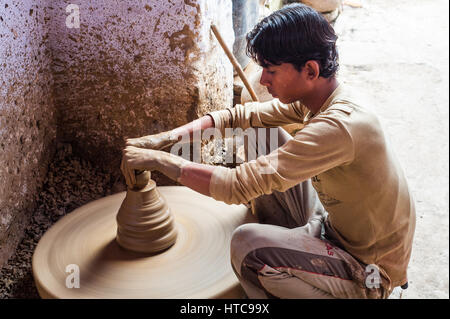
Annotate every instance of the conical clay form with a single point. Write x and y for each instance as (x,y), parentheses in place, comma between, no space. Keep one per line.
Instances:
(144,221)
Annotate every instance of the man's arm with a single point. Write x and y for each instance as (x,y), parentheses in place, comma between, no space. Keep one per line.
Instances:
(193,175)
(322,145)
(267,114)
(136,155)
(197,177)
(202,123)
(166,139)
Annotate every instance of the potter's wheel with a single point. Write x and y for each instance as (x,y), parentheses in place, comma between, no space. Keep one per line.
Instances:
(197,265)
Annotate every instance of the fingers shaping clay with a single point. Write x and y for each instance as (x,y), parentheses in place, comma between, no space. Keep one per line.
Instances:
(91,254)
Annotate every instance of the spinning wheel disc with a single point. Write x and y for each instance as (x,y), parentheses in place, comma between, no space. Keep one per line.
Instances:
(196,266)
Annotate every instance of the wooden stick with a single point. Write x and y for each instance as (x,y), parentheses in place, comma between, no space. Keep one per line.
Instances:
(234,62)
(353,4)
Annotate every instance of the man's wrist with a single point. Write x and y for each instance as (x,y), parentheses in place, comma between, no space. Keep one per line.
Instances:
(175,136)
(170,165)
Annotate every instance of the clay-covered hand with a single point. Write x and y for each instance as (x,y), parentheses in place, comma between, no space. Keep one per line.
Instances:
(154,142)
(135,158)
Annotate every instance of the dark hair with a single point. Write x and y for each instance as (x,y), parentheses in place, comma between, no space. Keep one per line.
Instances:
(294,34)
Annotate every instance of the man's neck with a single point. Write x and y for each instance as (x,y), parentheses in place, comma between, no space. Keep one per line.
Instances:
(318,97)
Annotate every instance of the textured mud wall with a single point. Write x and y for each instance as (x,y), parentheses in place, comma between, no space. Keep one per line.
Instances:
(134,68)
(27,115)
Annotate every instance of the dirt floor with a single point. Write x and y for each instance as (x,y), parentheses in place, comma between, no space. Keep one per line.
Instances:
(71,182)
(397,52)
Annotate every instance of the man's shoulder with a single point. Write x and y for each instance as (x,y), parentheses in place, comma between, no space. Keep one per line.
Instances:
(353,113)
(349,101)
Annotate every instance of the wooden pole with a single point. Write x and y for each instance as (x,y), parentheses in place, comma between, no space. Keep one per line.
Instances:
(234,62)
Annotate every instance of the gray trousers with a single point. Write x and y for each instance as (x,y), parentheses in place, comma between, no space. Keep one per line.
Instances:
(287,255)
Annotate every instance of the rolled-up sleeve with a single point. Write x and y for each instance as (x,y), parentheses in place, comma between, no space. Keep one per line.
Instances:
(323,144)
(268,114)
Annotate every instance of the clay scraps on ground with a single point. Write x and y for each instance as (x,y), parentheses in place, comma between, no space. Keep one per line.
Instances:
(71,182)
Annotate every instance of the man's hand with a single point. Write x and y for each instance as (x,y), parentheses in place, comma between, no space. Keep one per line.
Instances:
(154,142)
(193,175)
(135,158)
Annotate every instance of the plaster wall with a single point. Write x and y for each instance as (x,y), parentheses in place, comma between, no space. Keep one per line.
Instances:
(27,115)
(131,68)
(134,68)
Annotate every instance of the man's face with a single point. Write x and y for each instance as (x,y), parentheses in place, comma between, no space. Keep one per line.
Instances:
(285,82)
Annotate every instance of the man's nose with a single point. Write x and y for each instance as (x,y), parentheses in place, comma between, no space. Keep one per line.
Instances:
(264,79)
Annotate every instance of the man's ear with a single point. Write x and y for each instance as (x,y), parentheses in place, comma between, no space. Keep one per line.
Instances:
(312,69)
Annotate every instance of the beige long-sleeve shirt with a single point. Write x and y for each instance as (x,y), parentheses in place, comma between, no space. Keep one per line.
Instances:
(342,148)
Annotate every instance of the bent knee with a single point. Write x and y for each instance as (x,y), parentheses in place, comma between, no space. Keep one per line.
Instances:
(245,239)
(244,235)
(249,232)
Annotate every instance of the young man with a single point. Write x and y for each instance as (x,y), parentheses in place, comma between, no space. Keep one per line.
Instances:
(336,215)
